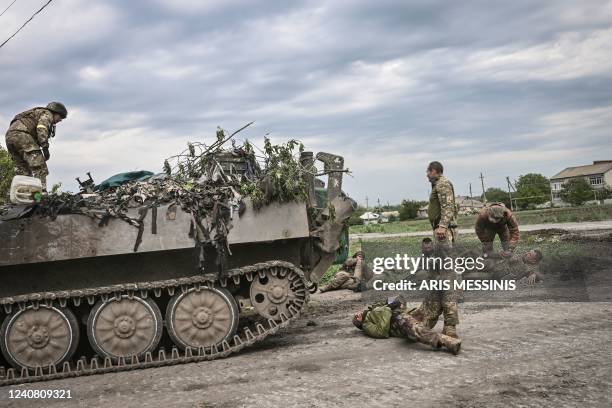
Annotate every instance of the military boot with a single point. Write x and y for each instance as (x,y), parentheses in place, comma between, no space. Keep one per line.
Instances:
(450,331)
(451,344)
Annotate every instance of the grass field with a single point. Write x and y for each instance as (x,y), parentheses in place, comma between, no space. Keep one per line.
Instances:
(549,215)
(555,252)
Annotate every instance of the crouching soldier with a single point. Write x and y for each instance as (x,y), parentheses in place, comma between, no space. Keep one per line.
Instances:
(353,275)
(391,319)
(27,139)
(496,219)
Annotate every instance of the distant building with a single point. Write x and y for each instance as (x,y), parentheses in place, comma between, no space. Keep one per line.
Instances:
(598,174)
(370,218)
(387,216)
(467,205)
(422,212)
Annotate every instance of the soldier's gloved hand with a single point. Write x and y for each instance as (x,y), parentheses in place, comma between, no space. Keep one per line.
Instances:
(46,153)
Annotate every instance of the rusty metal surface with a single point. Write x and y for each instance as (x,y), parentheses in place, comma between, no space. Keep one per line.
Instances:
(32,240)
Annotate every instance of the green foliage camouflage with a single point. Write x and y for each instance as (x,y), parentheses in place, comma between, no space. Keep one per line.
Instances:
(7,172)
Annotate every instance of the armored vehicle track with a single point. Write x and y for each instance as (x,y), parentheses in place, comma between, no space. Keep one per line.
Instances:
(146,324)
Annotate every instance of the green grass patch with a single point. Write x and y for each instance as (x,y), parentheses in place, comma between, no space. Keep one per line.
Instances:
(549,215)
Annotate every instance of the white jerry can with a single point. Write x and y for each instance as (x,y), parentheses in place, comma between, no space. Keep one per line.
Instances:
(22,189)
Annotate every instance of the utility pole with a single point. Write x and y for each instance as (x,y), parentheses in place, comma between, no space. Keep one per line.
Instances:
(510,193)
(484,195)
(471,197)
(379,207)
(367,203)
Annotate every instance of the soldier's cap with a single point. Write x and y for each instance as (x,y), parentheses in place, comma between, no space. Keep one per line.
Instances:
(495,213)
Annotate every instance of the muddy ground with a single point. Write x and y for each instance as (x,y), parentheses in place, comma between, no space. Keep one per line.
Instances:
(544,346)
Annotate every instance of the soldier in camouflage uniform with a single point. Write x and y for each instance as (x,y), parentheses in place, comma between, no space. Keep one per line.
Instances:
(441,302)
(392,319)
(495,219)
(27,139)
(442,210)
(516,267)
(353,275)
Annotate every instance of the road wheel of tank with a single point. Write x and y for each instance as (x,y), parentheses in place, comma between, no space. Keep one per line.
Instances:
(272,294)
(124,327)
(202,318)
(39,337)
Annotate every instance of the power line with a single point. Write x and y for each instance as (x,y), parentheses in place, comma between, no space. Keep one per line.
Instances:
(26,23)
(9,6)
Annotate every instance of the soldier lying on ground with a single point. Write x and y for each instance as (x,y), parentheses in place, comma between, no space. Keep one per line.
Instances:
(392,319)
(516,267)
(353,275)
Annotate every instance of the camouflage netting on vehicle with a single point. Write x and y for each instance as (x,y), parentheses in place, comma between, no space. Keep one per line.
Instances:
(207,181)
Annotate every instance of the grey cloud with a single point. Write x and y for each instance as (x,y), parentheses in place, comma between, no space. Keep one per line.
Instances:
(389,84)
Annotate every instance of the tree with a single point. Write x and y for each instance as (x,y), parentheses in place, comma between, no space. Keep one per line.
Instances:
(409,209)
(7,171)
(532,189)
(495,194)
(577,191)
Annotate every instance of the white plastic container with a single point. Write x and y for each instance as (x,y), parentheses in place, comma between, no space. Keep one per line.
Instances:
(22,188)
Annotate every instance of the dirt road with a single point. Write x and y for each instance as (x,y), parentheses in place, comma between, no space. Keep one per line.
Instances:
(514,354)
(568,226)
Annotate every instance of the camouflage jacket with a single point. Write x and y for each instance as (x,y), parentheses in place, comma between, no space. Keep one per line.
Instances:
(37,122)
(512,268)
(484,226)
(442,210)
(350,264)
(381,322)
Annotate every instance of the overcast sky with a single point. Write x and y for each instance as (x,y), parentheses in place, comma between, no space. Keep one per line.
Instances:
(500,88)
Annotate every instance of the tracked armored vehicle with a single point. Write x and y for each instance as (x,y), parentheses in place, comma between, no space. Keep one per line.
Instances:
(83,295)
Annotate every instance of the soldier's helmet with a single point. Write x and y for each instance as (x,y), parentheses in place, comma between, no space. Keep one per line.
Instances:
(495,213)
(59,108)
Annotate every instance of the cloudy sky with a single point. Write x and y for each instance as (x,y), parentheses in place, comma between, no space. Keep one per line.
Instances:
(500,88)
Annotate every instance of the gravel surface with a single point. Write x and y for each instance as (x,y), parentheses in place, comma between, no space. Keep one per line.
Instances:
(514,354)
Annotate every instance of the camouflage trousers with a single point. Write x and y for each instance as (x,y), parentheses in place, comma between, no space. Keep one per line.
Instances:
(441,302)
(489,236)
(450,238)
(27,156)
(410,327)
(342,280)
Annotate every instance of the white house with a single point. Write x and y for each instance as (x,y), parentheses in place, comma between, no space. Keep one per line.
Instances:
(598,174)
(370,218)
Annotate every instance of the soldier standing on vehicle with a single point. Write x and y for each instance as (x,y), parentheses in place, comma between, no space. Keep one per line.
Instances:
(27,139)
(442,210)
(496,219)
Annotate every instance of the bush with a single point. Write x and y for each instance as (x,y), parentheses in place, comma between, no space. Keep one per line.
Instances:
(532,189)
(577,191)
(7,171)
(409,209)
